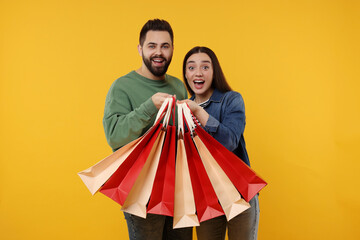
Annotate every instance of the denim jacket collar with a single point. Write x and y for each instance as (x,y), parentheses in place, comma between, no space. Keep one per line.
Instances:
(217,96)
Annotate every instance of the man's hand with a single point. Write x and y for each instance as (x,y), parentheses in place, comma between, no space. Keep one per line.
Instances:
(159,98)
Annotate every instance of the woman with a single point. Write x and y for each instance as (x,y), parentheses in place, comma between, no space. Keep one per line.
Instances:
(221,112)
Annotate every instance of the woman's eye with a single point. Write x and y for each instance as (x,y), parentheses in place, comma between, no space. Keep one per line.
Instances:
(206,67)
(191,68)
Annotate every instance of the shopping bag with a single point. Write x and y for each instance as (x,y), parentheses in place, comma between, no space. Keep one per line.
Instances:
(95,176)
(139,194)
(121,182)
(206,201)
(162,196)
(247,182)
(184,203)
(207,205)
(229,198)
(136,201)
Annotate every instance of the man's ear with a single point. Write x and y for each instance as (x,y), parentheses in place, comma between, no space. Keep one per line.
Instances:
(139,50)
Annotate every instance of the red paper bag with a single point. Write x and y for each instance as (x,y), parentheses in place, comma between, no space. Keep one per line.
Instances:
(207,205)
(229,197)
(247,182)
(120,183)
(162,196)
(139,194)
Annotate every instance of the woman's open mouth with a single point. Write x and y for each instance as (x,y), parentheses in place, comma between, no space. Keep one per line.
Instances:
(199,84)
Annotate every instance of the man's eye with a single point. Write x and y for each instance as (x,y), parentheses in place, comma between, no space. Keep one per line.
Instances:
(151,46)
(165,46)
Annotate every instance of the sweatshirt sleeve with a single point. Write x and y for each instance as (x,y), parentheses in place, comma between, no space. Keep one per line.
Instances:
(230,128)
(185,91)
(121,122)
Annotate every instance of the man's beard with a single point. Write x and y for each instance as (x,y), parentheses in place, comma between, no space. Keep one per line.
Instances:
(157,71)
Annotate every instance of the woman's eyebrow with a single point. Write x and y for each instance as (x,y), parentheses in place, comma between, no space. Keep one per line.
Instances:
(205,61)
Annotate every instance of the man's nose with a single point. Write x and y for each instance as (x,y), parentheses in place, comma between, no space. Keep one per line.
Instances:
(158,50)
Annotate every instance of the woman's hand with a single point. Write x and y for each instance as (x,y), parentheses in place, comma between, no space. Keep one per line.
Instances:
(192,105)
(198,111)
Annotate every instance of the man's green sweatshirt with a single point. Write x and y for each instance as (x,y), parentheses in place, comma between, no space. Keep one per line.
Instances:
(129,110)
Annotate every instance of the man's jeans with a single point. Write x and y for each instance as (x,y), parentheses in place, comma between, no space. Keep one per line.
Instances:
(155,227)
(241,227)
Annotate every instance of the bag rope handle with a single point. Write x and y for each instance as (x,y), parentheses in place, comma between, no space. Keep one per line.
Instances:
(168,112)
(161,112)
(189,118)
(180,120)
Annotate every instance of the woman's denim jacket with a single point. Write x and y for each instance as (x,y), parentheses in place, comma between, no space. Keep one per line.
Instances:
(226,122)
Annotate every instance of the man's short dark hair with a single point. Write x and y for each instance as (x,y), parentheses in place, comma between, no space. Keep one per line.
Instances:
(155,25)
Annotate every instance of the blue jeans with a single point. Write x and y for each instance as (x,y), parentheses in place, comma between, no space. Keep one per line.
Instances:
(155,227)
(242,227)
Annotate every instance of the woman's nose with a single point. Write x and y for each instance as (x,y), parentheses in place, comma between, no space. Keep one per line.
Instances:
(199,72)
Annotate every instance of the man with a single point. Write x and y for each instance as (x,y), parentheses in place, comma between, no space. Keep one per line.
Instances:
(130,109)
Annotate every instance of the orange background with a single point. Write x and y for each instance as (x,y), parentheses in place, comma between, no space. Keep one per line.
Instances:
(296,64)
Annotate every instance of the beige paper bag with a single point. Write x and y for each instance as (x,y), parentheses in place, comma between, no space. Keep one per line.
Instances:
(184,203)
(139,195)
(229,197)
(95,176)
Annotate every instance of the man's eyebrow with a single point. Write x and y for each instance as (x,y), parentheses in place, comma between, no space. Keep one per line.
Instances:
(154,43)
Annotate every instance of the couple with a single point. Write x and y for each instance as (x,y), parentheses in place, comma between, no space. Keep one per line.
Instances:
(131,106)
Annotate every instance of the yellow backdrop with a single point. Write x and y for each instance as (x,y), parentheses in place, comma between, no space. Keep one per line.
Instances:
(296,64)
